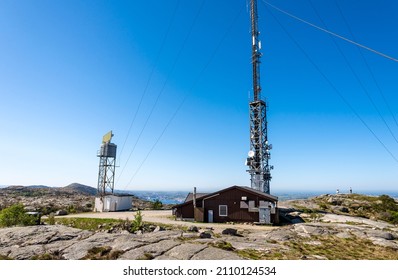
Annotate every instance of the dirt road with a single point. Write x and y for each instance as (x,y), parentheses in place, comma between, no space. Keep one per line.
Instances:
(166,217)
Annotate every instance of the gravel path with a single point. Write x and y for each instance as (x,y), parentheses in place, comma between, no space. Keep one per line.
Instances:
(166,217)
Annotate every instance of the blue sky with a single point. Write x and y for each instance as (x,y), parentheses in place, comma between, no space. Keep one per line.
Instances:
(70,71)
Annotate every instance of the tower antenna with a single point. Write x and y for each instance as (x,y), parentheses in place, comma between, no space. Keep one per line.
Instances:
(107,163)
(259,154)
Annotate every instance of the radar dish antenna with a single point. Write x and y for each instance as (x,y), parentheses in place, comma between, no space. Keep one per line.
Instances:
(107,137)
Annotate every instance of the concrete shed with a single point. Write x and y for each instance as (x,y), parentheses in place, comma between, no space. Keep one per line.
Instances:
(112,203)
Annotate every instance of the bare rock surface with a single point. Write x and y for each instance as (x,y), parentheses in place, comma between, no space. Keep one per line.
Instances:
(215,254)
(150,251)
(183,252)
(334,218)
(72,244)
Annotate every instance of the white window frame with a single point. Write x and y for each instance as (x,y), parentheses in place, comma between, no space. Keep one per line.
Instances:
(226,210)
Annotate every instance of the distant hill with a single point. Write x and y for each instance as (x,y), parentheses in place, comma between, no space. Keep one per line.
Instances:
(78,197)
(73,198)
(74,188)
(38,187)
(79,188)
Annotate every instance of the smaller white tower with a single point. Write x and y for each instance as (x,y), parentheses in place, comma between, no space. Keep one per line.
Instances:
(107,164)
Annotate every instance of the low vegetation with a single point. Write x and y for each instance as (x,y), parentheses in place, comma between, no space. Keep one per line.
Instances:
(137,224)
(146,256)
(221,244)
(16,215)
(382,207)
(325,247)
(48,256)
(102,253)
(91,224)
(157,205)
(110,225)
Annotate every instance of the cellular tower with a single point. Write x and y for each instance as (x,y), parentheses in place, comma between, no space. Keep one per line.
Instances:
(259,154)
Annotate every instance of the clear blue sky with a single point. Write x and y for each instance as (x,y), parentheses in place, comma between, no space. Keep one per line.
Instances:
(70,71)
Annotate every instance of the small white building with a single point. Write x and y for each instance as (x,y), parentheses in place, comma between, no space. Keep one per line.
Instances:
(112,203)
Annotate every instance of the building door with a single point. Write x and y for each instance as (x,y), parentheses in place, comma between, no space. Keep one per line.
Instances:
(264,216)
(108,204)
(114,206)
(210,216)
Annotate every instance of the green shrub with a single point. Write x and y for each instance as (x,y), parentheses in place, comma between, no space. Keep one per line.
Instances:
(323,206)
(16,215)
(387,203)
(137,223)
(157,204)
(72,209)
(394,217)
(51,219)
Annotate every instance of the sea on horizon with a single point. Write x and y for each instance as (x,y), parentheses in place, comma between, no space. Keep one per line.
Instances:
(176,197)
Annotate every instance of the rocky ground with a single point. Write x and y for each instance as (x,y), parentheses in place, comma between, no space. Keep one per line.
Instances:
(313,229)
(63,242)
(74,198)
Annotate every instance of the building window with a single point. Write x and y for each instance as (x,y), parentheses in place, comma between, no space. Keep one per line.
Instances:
(223,210)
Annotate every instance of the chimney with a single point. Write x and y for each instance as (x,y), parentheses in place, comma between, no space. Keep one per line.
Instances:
(194,197)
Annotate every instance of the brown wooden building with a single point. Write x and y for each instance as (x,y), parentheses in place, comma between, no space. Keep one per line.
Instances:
(233,204)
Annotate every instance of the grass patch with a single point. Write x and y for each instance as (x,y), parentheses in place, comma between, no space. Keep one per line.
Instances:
(47,256)
(252,254)
(381,207)
(2,257)
(183,238)
(102,253)
(147,256)
(361,197)
(221,244)
(94,224)
(329,247)
(91,224)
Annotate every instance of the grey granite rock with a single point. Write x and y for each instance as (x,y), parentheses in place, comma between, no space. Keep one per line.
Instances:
(183,252)
(215,254)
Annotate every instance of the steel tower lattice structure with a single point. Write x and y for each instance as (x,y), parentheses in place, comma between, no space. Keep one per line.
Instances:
(107,165)
(259,154)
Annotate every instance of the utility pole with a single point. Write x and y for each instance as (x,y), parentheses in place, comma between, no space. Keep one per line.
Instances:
(259,154)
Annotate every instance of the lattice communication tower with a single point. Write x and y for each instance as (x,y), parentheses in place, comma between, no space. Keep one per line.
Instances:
(259,154)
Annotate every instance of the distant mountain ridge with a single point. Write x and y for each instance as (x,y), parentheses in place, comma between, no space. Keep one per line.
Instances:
(75,188)
(38,187)
(74,197)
